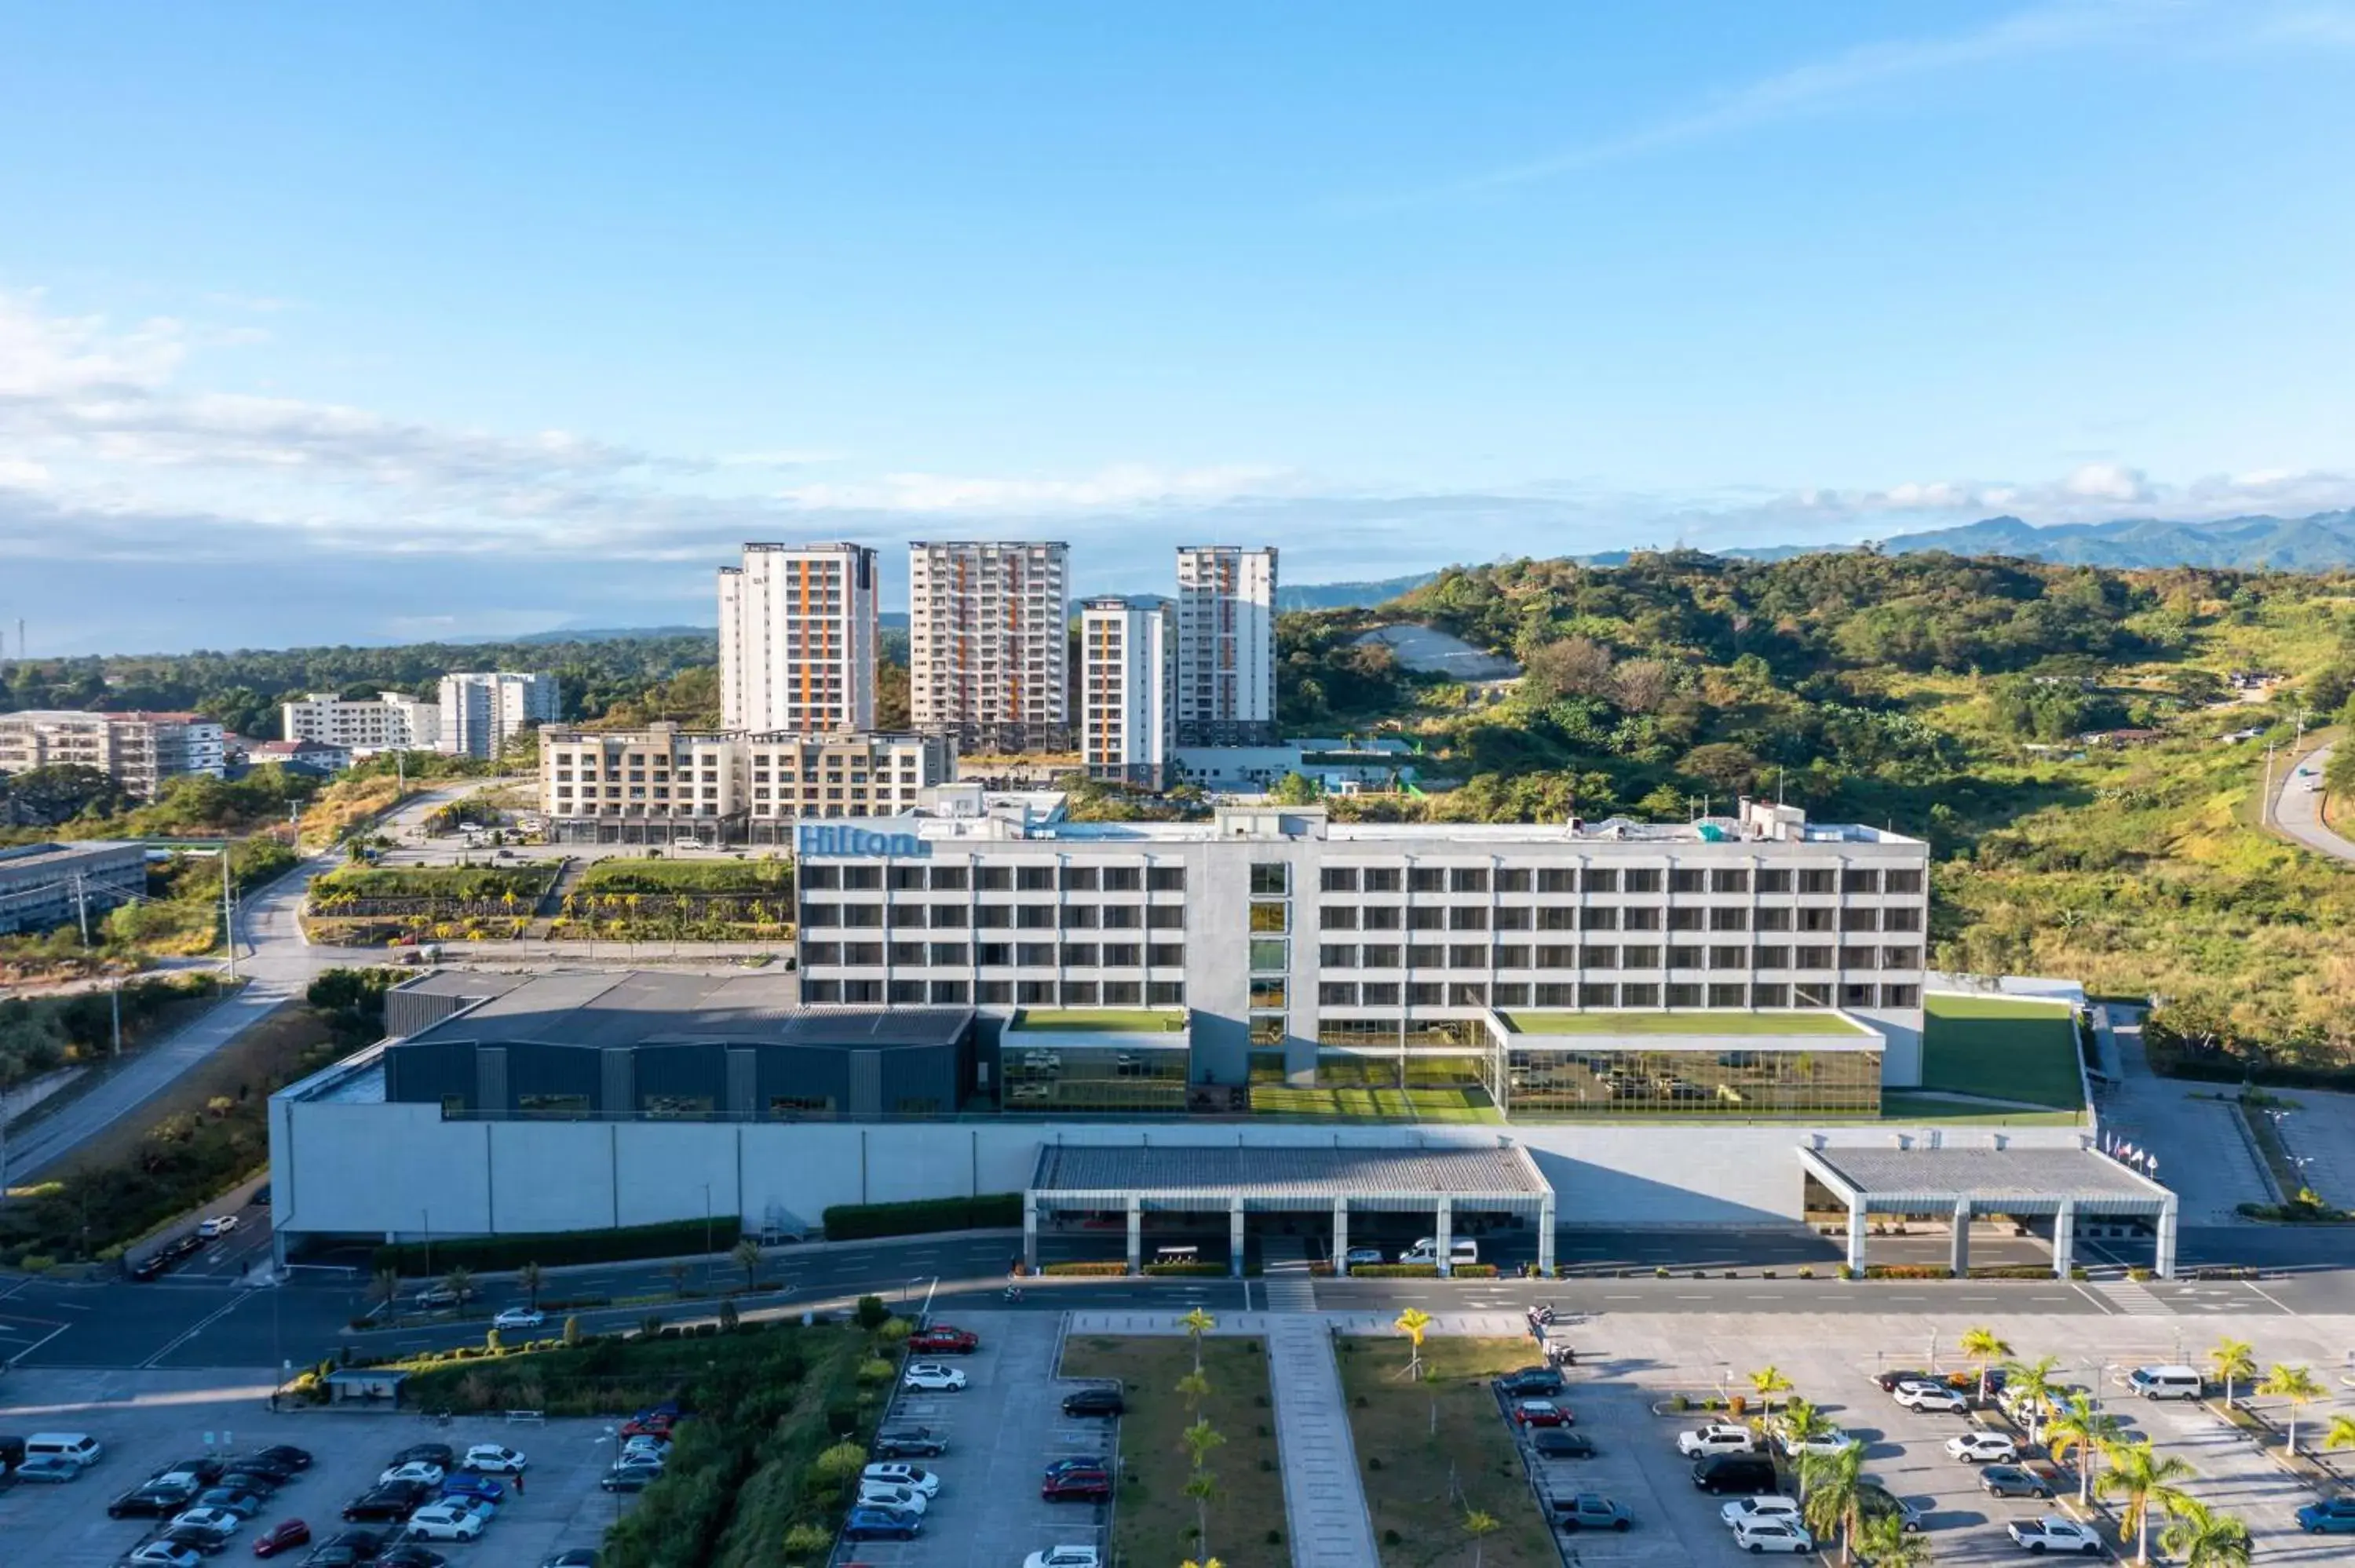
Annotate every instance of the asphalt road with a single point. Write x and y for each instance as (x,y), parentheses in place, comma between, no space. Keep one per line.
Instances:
(2297,808)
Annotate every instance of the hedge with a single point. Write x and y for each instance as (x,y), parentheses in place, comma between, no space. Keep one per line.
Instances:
(1474,1271)
(1394,1271)
(860,1222)
(553,1249)
(1089,1270)
(1908,1271)
(2012,1271)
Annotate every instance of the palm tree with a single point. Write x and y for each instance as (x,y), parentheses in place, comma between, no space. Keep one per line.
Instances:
(1413,1323)
(385,1286)
(1833,1485)
(459,1283)
(1194,1388)
(679,1272)
(1769,1382)
(747,1256)
(2341,1434)
(2146,1480)
(2295,1384)
(2234,1361)
(2035,1382)
(531,1277)
(1983,1346)
(1197,1323)
(1202,1486)
(2078,1427)
(1475,1525)
(2203,1538)
(1886,1544)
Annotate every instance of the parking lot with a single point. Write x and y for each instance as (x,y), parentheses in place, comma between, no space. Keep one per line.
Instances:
(147,1421)
(1002,1430)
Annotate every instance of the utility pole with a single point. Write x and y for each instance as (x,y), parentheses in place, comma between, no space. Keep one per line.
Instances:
(81,906)
(2265,802)
(228,911)
(115,997)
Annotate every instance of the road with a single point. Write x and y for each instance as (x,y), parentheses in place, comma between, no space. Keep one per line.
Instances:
(2297,808)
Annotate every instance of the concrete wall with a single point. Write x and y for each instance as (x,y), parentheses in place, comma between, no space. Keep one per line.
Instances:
(376,1169)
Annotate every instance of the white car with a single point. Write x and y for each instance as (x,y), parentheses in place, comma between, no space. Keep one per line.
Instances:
(1773,1535)
(218,1225)
(424,1470)
(897,1473)
(520,1318)
(1065,1557)
(1931,1396)
(1719,1437)
(163,1554)
(1982,1448)
(1758,1510)
(877,1494)
(448,1522)
(931,1377)
(1831,1440)
(219,1520)
(645,1446)
(2053,1533)
(492,1459)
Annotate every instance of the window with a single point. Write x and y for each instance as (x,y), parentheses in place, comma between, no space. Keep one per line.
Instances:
(1770,996)
(1270,915)
(948,917)
(1336,956)
(1165,993)
(993,878)
(1034,878)
(1512,995)
(1468,879)
(1464,956)
(994,993)
(1077,916)
(1123,955)
(1082,993)
(1776,880)
(1270,955)
(1859,958)
(1859,920)
(1811,958)
(1035,955)
(821,955)
(1165,917)
(1684,996)
(1722,880)
(906,876)
(1723,919)
(1774,919)
(817,915)
(1339,879)
(1901,996)
(826,876)
(1644,880)
(1165,878)
(1338,917)
(1422,994)
(1469,917)
(1120,879)
(1816,920)
(1380,954)
(1639,996)
(1557,879)
(948,879)
(1641,957)
(1598,958)
(1034,917)
(1122,993)
(1381,879)
(1269,879)
(1598,995)
(1381,917)
(1513,880)
(1513,918)
(1467,993)
(1729,957)
(1684,957)
(993,955)
(1639,918)
(1426,918)
(1425,879)
(1079,955)
(1729,995)
(905,993)
(994,917)
(906,916)
(1078,879)
(1378,993)
(862,879)
(1856,995)
(1685,879)
(907,952)
(1558,918)
(1424,954)
(1856,880)
(785,1107)
(948,954)
(1901,958)
(1901,882)
(1599,917)
(1600,879)
(1903,918)
(552,1105)
(1685,919)
(1774,958)
(1164,955)
(1815,879)
(1122,916)
(1556,958)
(1336,993)
(862,955)
(950,993)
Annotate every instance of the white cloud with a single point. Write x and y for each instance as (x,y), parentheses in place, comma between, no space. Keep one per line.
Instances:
(1119,486)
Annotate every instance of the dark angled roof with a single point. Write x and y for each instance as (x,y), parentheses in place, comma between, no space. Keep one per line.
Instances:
(645,1008)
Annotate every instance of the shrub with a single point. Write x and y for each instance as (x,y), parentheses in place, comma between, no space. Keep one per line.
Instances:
(1908,1271)
(872,1313)
(808,1538)
(839,1463)
(571,1332)
(728,1316)
(489,1254)
(858,1222)
(1475,1271)
(1090,1270)
(875,1371)
(34,1262)
(895,1332)
(1396,1271)
(650,1325)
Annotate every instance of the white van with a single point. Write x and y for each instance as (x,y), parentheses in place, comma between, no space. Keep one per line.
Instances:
(2166,1383)
(80,1448)
(1460,1249)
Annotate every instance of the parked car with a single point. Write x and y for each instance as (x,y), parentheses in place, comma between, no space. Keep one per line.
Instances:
(1982,1447)
(408,1554)
(2053,1533)
(1718,1437)
(1590,1511)
(909,1442)
(1830,1441)
(880,1524)
(579,1557)
(1065,1557)
(215,1226)
(1075,1486)
(2012,1482)
(283,1454)
(944,1340)
(883,1494)
(386,1502)
(630,1477)
(1931,1396)
(1722,1473)
(203,1542)
(219,1520)
(2167,1382)
(162,1554)
(285,1536)
(656,1449)
(49,1468)
(199,1473)
(229,1499)
(423,1471)
(1874,1500)
(439,1454)
(1541,1413)
(452,1520)
(150,1502)
(350,1548)
(932,1377)
(1357,1255)
(2333,1516)
(1757,1511)
(893,1474)
(1561,1442)
(259,1483)
(519,1317)
(465,1487)
(1523,1383)
(1095,1402)
(494,1459)
(1773,1535)
(1078,1462)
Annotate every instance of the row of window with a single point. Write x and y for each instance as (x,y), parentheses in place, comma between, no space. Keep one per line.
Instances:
(994,993)
(1612,917)
(958,878)
(996,917)
(1602,994)
(994,955)
(1600,879)
(1677,955)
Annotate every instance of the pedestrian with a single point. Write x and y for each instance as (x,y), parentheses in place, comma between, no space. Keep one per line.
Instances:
(518,1483)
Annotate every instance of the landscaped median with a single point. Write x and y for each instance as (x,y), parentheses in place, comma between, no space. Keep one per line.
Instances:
(1153,1518)
(1434,1453)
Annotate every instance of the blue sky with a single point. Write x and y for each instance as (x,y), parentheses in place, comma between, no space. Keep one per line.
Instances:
(324,323)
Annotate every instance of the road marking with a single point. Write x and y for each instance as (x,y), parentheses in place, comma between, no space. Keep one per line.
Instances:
(2269,1295)
(201,1325)
(2107,1311)
(37,1344)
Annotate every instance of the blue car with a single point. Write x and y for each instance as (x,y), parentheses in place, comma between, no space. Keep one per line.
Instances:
(2336,1517)
(472,1488)
(880,1524)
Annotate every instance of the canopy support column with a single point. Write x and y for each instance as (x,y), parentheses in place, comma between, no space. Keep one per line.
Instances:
(1135,1234)
(1959,1262)
(1235,1235)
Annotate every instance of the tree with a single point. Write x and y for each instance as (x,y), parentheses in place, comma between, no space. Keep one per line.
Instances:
(679,1272)
(572,1331)
(1769,1382)
(1414,1323)
(1569,667)
(1479,1525)
(1197,1323)
(2234,1361)
(459,1283)
(1193,1388)
(2146,1480)
(1726,767)
(45,796)
(2034,1383)
(531,1277)
(1886,1544)
(385,1287)
(872,1313)
(1297,790)
(1834,1487)
(1983,1347)
(2077,1428)
(2199,1537)
(746,1254)
(494,1343)
(2295,1384)
(2341,1434)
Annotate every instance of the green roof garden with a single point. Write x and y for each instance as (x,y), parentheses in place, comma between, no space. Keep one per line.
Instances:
(1687,1023)
(1098,1021)
(2002,1047)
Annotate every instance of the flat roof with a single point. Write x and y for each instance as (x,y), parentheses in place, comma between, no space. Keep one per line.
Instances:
(645,1008)
(2036,1180)
(1098,1021)
(1503,1172)
(1701,1022)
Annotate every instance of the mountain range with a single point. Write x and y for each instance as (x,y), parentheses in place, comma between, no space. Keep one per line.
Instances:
(2321,543)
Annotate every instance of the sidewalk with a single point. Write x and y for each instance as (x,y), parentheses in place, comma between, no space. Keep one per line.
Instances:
(1324,1499)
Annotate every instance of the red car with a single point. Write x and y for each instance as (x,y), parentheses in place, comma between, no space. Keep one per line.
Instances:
(1076,1485)
(1541,1413)
(656,1426)
(285,1536)
(944,1340)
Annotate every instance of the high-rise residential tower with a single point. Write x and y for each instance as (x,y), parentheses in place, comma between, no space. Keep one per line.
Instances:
(1128,674)
(797,638)
(1226,645)
(482,712)
(989,644)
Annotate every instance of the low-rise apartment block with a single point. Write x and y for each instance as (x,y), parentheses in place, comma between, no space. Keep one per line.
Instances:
(391,721)
(140,751)
(650,785)
(42,886)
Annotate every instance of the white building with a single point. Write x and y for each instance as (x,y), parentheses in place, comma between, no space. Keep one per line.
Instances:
(1129,708)
(392,721)
(798,636)
(481,712)
(1226,645)
(650,785)
(989,644)
(140,751)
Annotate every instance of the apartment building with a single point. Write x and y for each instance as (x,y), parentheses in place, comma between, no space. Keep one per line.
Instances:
(651,785)
(140,751)
(42,886)
(1128,674)
(391,721)
(482,711)
(1226,645)
(1613,967)
(798,637)
(989,644)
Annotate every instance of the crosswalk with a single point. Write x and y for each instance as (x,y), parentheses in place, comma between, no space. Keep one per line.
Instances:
(2129,1298)
(1284,1274)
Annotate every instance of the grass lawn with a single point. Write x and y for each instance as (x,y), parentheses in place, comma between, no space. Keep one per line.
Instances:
(1898,1104)
(1389,1105)
(1115,1020)
(1153,1522)
(1421,1485)
(2002,1046)
(434,880)
(773,877)
(1679,1023)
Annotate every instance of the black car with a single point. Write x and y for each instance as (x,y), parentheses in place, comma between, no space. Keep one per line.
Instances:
(1751,1473)
(439,1454)
(285,1454)
(243,1504)
(393,1501)
(150,1502)
(630,1478)
(352,1546)
(408,1554)
(1561,1442)
(196,1539)
(579,1557)
(259,1483)
(1530,1383)
(908,1442)
(1095,1402)
(275,1471)
(207,1469)
(153,1268)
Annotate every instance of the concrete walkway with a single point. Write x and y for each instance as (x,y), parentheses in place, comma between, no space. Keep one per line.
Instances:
(1323,1497)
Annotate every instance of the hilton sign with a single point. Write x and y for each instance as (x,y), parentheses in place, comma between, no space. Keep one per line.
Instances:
(834,843)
